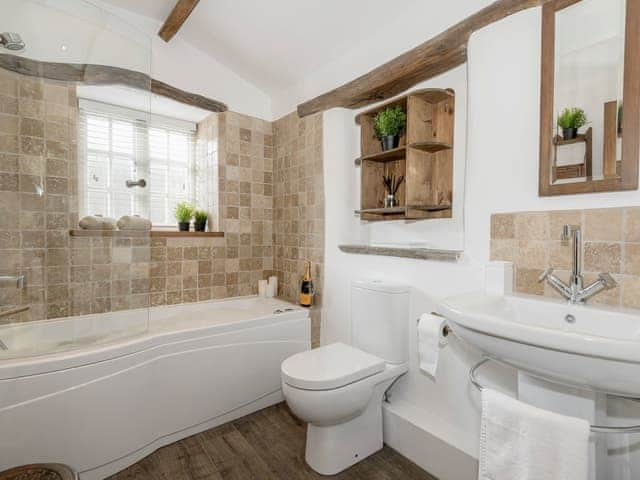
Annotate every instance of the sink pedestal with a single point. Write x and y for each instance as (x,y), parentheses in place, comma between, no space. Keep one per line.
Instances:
(573,402)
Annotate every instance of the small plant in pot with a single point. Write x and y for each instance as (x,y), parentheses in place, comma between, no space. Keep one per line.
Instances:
(570,120)
(183,213)
(200,220)
(389,124)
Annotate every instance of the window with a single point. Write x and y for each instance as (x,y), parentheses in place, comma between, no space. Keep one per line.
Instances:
(119,145)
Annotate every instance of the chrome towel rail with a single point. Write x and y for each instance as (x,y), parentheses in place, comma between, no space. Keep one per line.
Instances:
(594,428)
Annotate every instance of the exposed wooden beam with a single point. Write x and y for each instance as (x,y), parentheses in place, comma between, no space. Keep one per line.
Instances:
(88,74)
(193,99)
(433,57)
(176,18)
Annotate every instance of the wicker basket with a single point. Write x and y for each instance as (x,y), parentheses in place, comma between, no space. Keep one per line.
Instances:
(43,471)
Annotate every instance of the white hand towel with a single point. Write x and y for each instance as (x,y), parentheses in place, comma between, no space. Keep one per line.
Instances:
(134,222)
(521,442)
(429,340)
(97,222)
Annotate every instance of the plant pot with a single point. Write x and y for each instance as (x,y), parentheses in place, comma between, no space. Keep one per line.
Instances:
(569,133)
(200,226)
(390,142)
(183,226)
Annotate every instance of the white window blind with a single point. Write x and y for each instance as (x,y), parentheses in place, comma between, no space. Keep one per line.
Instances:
(119,145)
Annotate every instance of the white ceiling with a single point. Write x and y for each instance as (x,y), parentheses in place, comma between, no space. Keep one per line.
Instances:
(275,44)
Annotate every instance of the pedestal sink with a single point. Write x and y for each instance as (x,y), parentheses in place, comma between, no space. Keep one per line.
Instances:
(585,346)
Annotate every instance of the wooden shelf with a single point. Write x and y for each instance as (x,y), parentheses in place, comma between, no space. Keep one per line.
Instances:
(404,252)
(388,156)
(424,158)
(431,147)
(142,234)
(559,141)
(396,210)
(401,152)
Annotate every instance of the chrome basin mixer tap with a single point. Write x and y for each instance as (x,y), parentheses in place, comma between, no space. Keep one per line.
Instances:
(575,292)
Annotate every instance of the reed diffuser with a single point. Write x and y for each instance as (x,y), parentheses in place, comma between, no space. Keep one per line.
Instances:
(391,184)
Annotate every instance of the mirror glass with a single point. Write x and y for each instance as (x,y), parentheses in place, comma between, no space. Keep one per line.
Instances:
(589,79)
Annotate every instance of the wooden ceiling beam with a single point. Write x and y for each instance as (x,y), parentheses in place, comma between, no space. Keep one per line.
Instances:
(429,59)
(176,18)
(88,74)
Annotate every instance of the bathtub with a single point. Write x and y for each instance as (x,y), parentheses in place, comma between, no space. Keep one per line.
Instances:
(100,392)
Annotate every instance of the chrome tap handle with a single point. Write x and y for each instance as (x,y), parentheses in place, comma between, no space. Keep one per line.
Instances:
(608,280)
(544,275)
(567,230)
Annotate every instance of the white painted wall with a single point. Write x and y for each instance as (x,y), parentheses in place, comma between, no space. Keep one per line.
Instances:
(386,40)
(502,176)
(96,32)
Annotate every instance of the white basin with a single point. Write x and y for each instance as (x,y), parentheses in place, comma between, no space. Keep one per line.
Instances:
(600,350)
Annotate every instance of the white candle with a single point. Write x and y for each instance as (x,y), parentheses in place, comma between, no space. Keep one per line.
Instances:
(273,285)
(262,288)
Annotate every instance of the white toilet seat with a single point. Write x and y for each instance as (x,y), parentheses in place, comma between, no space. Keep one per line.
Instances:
(338,390)
(330,367)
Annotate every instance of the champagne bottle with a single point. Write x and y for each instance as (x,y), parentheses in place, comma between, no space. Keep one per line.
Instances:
(306,289)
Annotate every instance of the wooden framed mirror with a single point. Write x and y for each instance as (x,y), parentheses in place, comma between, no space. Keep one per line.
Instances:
(590,68)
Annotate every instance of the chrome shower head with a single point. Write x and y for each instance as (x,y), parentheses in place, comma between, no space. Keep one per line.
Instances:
(12,41)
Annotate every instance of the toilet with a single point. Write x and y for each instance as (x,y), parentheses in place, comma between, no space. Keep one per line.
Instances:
(338,389)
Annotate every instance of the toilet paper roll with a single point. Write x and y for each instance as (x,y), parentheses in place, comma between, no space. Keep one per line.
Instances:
(430,339)
(262,288)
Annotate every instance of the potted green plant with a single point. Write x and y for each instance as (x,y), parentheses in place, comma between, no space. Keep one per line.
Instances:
(570,120)
(183,213)
(389,124)
(200,220)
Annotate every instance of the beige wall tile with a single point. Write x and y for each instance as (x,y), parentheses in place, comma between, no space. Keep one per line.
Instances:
(527,281)
(631,292)
(631,259)
(603,225)
(602,257)
(503,226)
(632,224)
(532,226)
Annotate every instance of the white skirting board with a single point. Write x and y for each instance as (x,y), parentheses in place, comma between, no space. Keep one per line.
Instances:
(434,455)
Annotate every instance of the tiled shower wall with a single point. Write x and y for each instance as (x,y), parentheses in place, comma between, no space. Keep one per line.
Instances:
(38,191)
(246,200)
(299,207)
(611,243)
(271,211)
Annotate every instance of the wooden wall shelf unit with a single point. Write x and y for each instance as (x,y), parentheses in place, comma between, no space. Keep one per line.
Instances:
(424,157)
(578,170)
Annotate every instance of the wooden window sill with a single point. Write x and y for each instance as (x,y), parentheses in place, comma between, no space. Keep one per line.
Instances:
(139,233)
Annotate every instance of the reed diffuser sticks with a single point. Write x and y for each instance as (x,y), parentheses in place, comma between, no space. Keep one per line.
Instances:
(392,183)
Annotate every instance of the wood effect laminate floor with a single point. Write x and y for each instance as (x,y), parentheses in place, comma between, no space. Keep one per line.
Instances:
(266,445)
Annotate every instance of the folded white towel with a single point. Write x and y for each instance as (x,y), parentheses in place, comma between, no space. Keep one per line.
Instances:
(97,222)
(134,222)
(430,339)
(521,442)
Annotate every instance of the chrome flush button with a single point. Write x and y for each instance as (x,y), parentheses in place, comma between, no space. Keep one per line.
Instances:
(570,318)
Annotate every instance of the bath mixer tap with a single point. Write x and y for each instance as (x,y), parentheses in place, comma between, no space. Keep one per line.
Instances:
(575,292)
(17,281)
